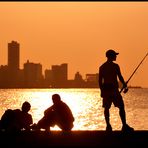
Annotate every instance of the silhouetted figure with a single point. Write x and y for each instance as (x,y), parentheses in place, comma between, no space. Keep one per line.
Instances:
(15,120)
(109,73)
(58,114)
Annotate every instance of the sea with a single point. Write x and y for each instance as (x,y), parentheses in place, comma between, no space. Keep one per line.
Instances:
(86,106)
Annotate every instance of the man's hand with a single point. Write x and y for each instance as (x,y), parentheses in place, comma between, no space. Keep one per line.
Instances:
(124,85)
(125,90)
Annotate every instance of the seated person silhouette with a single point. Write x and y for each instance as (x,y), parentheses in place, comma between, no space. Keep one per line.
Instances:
(58,114)
(15,120)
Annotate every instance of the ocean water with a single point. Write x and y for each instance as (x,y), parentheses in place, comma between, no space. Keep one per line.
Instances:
(86,105)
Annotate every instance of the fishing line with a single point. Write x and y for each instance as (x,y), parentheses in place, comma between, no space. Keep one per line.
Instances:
(126,89)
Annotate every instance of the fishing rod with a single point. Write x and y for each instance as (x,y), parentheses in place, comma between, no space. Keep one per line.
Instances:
(126,89)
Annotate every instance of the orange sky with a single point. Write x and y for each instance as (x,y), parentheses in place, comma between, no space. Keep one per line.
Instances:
(77,33)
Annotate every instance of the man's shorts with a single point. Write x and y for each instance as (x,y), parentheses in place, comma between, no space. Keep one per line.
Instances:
(112,96)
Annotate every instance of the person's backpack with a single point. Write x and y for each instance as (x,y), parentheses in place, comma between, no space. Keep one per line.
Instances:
(9,118)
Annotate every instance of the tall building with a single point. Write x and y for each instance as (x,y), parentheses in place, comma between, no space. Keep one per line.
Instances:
(13,64)
(32,74)
(13,55)
(59,75)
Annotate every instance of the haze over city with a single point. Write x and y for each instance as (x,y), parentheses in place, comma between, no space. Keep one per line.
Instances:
(78,33)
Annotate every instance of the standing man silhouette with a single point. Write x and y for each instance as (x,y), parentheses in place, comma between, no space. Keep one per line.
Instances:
(109,73)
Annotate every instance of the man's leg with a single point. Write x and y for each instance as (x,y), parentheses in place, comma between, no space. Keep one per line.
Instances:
(107,119)
(46,122)
(65,126)
(125,126)
(122,115)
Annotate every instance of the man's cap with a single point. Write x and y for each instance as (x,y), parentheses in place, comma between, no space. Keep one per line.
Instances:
(111,53)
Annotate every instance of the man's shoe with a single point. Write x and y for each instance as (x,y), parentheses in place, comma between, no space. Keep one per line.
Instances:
(108,128)
(127,128)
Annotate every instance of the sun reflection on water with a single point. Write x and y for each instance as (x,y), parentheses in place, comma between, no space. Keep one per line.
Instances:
(86,106)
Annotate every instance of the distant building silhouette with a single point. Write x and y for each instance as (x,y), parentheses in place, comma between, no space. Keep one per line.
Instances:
(48,77)
(32,74)
(57,76)
(13,55)
(4,76)
(13,64)
(92,77)
(78,77)
(92,80)
(78,80)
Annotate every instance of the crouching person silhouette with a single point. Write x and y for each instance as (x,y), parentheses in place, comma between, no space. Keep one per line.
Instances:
(58,114)
(16,120)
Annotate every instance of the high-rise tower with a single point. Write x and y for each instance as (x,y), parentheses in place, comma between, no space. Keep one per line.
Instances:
(13,55)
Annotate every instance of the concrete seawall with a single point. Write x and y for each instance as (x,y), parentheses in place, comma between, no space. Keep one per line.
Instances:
(102,139)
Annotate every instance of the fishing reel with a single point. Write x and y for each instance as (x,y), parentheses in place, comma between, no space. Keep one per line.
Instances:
(125,90)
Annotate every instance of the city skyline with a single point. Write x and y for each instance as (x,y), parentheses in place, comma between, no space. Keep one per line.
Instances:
(13,60)
(78,33)
(33,76)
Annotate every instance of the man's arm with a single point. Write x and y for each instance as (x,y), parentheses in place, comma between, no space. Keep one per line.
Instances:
(121,77)
(48,110)
(100,79)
